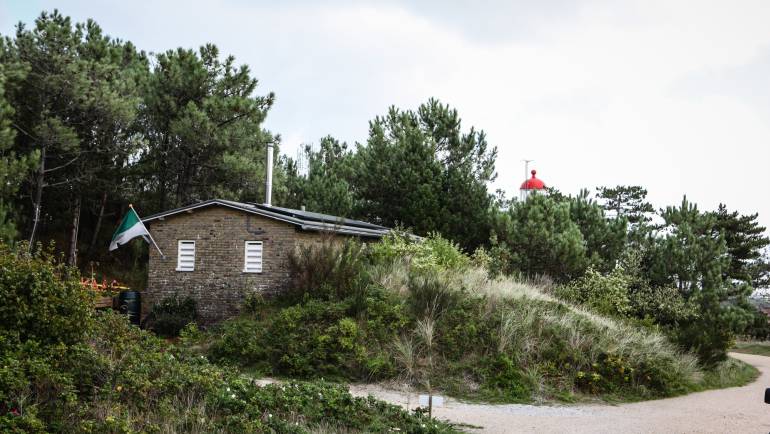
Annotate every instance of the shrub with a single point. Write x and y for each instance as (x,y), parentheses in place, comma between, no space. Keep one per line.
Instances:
(710,333)
(503,378)
(172,314)
(433,253)
(240,341)
(664,305)
(466,328)
(127,380)
(606,294)
(490,338)
(105,375)
(330,270)
(42,299)
(759,325)
(315,339)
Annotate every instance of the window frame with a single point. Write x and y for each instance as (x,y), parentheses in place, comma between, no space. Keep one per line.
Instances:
(246,245)
(179,266)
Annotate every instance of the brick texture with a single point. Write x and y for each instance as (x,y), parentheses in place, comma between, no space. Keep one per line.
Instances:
(218,283)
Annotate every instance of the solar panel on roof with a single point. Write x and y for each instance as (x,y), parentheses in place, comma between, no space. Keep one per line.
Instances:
(317,217)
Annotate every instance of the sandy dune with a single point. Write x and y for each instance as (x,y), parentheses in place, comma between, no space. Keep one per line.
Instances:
(733,410)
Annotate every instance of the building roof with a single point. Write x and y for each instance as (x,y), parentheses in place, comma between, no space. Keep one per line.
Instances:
(305,220)
(533,183)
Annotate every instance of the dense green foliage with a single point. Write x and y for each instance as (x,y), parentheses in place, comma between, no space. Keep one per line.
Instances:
(168,317)
(203,131)
(683,276)
(556,236)
(327,184)
(42,301)
(65,369)
(745,239)
(13,167)
(75,96)
(418,169)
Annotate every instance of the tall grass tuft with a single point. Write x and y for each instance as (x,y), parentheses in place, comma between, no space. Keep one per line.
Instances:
(333,269)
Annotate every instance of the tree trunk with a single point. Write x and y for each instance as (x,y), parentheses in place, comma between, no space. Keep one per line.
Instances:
(37,202)
(95,237)
(72,258)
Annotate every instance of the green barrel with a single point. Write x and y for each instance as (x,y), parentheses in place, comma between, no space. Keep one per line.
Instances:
(130,303)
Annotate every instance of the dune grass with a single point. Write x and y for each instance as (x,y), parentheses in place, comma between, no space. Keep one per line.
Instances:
(563,351)
(491,339)
(730,373)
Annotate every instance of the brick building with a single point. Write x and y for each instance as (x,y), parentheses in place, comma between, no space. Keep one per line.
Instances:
(218,251)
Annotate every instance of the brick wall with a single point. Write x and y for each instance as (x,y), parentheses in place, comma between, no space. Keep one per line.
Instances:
(218,282)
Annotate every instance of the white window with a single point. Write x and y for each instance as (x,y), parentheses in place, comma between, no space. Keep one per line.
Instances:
(185,259)
(252,258)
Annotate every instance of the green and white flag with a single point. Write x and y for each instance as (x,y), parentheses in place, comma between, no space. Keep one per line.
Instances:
(130,228)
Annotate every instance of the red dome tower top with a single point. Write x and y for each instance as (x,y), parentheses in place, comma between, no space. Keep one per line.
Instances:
(533,183)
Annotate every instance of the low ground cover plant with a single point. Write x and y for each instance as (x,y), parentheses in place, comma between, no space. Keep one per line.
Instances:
(79,371)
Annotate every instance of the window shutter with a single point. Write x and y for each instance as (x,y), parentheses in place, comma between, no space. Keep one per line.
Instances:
(252,261)
(185,260)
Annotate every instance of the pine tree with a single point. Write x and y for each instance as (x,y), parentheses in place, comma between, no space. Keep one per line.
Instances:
(204,132)
(538,237)
(605,239)
(13,169)
(421,170)
(629,201)
(692,255)
(745,240)
(75,105)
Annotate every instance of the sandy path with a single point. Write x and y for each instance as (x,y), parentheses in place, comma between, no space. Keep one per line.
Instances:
(733,410)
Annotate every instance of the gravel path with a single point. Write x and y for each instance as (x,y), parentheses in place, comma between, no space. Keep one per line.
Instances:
(733,410)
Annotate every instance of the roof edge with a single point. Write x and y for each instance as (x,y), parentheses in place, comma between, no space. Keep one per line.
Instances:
(302,224)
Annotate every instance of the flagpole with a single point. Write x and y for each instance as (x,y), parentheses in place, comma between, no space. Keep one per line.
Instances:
(148,231)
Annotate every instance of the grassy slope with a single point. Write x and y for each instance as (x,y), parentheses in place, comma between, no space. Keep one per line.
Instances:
(533,322)
(636,342)
(560,350)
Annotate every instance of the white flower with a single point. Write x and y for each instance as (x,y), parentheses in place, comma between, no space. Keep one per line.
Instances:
(270,415)
(232,396)
(228,389)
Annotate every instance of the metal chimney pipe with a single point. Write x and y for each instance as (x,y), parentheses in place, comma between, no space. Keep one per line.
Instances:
(269,175)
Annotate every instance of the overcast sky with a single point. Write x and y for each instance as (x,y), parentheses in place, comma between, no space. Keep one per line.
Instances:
(671,95)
